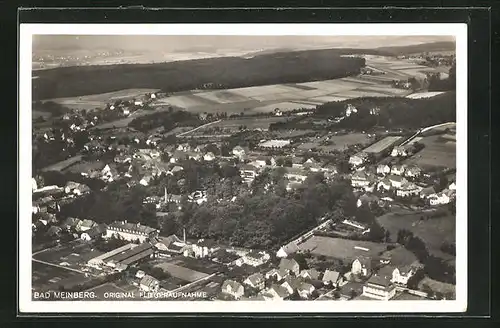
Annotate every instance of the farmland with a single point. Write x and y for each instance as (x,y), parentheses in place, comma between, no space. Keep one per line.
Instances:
(100,100)
(339,142)
(233,125)
(438,151)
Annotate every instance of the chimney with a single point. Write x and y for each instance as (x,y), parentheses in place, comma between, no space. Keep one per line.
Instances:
(165,195)
(184,235)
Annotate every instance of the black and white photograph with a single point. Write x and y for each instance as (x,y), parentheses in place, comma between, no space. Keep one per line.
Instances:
(221,167)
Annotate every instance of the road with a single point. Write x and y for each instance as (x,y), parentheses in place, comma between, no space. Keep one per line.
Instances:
(422,130)
(199,127)
(193,283)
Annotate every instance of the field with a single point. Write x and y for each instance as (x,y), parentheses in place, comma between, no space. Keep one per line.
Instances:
(341,248)
(36,114)
(437,152)
(85,167)
(338,142)
(100,100)
(75,254)
(187,269)
(181,272)
(50,278)
(233,125)
(433,231)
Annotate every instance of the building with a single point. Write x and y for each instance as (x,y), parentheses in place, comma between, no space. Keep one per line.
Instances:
(239,152)
(290,265)
(275,143)
(413,172)
(70,223)
(255,280)
(311,274)
(361,266)
(382,145)
(358,159)
(277,274)
(398,169)
(408,189)
(204,248)
(99,261)
(366,199)
(248,173)
(233,288)
(396,181)
(295,175)
(384,184)
(360,179)
(76,188)
(291,284)
(255,258)
(85,225)
(379,288)
(287,250)
(439,199)
(130,231)
(332,278)
(209,157)
(93,233)
(275,292)
(383,169)
(149,284)
(425,193)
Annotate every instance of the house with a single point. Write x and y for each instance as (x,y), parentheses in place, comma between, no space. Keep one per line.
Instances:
(287,250)
(290,265)
(263,161)
(85,225)
(275,292)
(399,151)
(93,233)
(358,159)
(140,274)
(383,169)
(408,189)
(361,266)
(452,186)
(311,274)
(396,180)
(209,157)
(53,231)
(255,258)
(439,199)
(351,290)
(379,288)
(255,280)
(149,284)
(399,276)
(175,169)
(130,231)
(76,188)
(70,223)
(248,173)
(122,159)
(298,162)
(413,172)
(277,274)
(297,175)
(360,179)
(109,174)
(427,192)
(178,156)
(366,199)
(239,151)
(332,278)
(146,180)
(305,290)
(291,284)
(398,169)
(233,288)
(204,248)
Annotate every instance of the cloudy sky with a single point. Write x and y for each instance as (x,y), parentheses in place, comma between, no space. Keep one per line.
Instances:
(212,43)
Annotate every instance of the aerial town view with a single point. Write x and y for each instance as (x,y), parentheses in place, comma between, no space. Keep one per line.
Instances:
(223,168)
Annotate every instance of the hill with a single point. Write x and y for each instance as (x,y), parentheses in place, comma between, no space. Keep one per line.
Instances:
(418,48)
(212,73)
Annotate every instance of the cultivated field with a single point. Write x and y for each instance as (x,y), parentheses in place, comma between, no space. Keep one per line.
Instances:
(233,125)
(36,114)
(75,254)
(100,100)
(437,152)
(337,142)
(63,164)
(50,278)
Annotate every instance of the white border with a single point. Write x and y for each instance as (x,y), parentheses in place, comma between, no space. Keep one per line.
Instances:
(26,305)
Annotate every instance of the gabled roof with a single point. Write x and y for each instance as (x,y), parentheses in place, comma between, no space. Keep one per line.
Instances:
(149,281)
(280,290)
(256,278)
(313,273)
(332,276)
(234,285)
(379,281)
(289,264)
(293,282)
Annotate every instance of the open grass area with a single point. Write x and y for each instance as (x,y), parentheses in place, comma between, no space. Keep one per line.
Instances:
(181,272)
(51,278)
(339,142)
(437,152)
(343,249)
(59,166)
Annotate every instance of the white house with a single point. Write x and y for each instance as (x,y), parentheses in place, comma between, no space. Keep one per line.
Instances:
(398,169)
(396,181)
(204,248)
(255,280)
(379,288)
(331,278)
(149,284)
(130,231)
(398,275)
(312,274)
(233,288)
(361,266)
(255,258)
(277,274)
(275,292)
(408,189)
(286,250)
(305,290)
(209,157)
(291,265)
(452,186)
(360,179)
(439,199)
(358,159)
(383,169)
(413,172)
(146,180)
(239,152)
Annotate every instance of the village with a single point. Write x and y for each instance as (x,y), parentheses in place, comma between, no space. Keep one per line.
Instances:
(139,198)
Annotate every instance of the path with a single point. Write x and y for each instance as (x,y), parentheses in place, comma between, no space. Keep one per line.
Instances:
(193,283)
(199,127)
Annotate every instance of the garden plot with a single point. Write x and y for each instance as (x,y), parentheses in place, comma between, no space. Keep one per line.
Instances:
(222,97)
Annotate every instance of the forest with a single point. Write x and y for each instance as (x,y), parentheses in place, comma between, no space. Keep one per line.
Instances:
(394,113)
(220,73)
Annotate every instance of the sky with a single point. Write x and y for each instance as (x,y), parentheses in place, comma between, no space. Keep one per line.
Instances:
(172,43)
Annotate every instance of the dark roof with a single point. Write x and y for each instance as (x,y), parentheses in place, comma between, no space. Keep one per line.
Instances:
(379,281)
(132,252)
(289,264)
(206,243)
(136,228)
